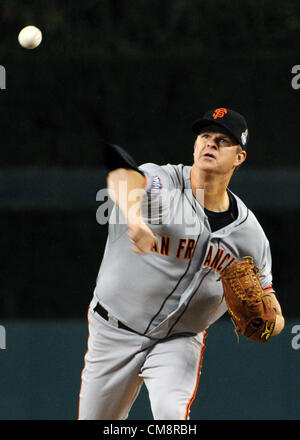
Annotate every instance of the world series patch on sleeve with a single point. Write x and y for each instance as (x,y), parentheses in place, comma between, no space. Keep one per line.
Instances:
(248,304)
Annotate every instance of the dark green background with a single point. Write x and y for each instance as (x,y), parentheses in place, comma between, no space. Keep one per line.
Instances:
(136,73)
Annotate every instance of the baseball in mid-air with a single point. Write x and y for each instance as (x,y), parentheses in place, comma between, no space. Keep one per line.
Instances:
(30,37)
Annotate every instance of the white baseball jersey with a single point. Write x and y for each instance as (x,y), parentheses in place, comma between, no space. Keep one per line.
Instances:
(174,289)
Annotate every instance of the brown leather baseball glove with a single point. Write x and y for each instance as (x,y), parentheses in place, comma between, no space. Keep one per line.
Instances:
(248,304)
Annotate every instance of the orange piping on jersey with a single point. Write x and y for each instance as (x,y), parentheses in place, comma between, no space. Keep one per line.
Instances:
(188,407)
(83,367)
(268,288)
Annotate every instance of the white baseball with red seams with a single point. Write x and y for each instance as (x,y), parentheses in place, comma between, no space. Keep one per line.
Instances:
(30,37)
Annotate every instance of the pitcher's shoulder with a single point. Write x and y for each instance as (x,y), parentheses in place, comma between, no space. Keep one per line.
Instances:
(179,173)
(247,217)
(176,174)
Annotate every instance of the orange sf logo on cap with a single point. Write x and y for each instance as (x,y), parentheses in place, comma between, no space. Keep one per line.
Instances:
(220,113)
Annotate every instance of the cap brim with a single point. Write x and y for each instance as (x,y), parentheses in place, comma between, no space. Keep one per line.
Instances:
(202,123)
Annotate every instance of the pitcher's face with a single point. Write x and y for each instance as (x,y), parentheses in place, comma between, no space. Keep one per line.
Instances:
(217,153)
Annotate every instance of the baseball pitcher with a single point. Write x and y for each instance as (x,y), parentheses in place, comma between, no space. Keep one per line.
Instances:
(181,251)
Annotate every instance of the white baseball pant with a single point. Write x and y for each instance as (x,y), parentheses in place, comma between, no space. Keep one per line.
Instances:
(118,362)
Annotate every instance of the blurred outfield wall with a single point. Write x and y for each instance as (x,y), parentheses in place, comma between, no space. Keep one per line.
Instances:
(41,366)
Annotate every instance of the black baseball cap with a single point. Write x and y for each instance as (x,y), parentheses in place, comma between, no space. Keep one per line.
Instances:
(233,122)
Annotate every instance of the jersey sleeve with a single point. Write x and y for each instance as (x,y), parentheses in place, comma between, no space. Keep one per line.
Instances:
(256,244)
(157,178)
(163,185)
(266,269)
(155,203)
